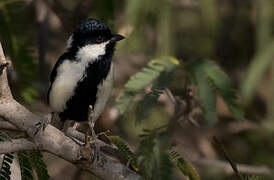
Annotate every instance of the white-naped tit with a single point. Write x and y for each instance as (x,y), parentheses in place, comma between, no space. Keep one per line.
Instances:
(83,75)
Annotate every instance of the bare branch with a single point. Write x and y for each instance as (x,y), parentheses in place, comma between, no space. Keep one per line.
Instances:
(16,145)
(5,125)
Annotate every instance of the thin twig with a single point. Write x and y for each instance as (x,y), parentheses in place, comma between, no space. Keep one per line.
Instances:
(170,96)
(221,149)
(243,168)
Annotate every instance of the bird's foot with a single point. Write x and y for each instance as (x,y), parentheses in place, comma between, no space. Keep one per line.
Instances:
(89,147)
(86,151)
(42,124)
(96,150)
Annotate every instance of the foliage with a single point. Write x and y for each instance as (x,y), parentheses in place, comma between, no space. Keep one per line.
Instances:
(154,160)
(17,42)
(38,164)
(149,74)
(127,153)
(152,153)
(209,78)
(5,168)
(28,161)
(185,167)
(25,166)
(8,158)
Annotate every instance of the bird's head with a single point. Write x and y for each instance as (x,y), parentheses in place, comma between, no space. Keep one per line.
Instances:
(93,33)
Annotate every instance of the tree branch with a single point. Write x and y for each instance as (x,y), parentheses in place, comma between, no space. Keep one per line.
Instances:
(53,140)
(5,125)
(16,145)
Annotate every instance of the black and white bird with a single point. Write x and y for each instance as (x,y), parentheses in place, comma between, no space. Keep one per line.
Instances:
(83,75)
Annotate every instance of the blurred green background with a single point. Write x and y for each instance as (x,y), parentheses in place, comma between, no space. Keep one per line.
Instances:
(237,34)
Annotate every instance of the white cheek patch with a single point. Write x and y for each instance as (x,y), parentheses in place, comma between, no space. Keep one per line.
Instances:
(91,51)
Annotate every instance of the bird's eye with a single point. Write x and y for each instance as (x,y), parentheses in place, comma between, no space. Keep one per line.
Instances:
(99,39)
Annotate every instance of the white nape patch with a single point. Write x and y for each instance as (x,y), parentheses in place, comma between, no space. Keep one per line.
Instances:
(103,93)
(69,41)
(70,72)
(91,51)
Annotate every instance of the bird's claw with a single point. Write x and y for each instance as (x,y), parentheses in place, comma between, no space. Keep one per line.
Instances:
(89,146)
(42,124)
(96,152)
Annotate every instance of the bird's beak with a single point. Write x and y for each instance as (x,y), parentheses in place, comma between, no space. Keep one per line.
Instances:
(117,37)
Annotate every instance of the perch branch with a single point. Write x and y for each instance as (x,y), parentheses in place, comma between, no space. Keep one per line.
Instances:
(5,125)
(16,145)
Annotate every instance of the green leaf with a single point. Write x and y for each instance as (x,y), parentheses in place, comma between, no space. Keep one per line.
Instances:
(7,159)
(152,158)
(165,169)
(6,164)
(145,106)
(150,100)
(209,78)
(206,92)
(127,153)
(38,164)
(145,77)
(25,166)
(185,167)
(222,82)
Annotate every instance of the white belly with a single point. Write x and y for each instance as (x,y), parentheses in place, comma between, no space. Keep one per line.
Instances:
(68,75)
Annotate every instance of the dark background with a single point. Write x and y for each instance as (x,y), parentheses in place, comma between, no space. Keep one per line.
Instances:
(236,34)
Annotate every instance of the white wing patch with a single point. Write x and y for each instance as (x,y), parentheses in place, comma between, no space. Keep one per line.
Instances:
(70,72)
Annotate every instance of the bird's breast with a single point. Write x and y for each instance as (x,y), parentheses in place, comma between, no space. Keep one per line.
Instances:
(69,73)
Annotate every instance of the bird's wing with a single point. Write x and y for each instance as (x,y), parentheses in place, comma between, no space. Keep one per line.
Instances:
(54,70)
